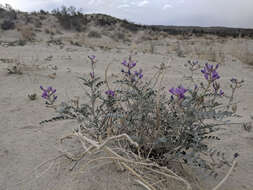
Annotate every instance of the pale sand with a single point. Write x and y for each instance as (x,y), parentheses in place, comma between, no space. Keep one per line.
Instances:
(24,144)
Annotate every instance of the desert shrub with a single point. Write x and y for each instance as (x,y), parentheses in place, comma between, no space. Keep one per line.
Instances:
(94,34)
(42,12)
(162,125)
(105,20)
(21,42)
(119,36)
(7,12)
(8,25)
(75,43)
(27,33)
(37,23)
(70,18)
(129,26)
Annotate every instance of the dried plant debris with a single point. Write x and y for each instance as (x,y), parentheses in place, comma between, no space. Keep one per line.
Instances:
(32,96)
(52,76)
(49,58)
(16,69)
(247,126)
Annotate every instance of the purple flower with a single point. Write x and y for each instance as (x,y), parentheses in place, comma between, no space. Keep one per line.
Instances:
(210,73)
(130,64)
(179,92)
(215,75)
(49,88)
(110,93)
(92,57)
(124,63)
(138,74)
(221,92)
(92,75)
(44,95)
(48,94)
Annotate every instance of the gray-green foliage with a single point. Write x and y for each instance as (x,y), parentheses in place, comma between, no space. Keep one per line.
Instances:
(167,127)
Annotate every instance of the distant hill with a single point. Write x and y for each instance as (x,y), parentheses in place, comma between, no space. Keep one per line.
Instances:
(71,19)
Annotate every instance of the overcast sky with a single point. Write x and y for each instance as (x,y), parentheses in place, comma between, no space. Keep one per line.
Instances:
(230,13)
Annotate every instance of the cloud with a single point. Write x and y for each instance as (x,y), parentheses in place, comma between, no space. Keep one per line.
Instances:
(94,2)
(167,6)
(142,3)
(123,6)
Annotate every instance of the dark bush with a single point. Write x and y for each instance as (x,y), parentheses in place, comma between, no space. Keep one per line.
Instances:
(105,21)
(129,26)
(43,12)
(6,12)
(8,25)
(94,34)
(118,36)
(21,42)
(70,18)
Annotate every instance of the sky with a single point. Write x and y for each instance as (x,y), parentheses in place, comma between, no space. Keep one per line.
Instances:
(228,13)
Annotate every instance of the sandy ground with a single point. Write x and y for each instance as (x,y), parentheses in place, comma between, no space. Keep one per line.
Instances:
(24,144)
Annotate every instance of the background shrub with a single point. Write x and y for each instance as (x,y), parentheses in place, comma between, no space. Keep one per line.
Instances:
(129,26)
(8,25)
(70,18)
(94,34)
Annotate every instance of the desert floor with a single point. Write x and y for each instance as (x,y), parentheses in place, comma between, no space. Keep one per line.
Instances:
(25,144)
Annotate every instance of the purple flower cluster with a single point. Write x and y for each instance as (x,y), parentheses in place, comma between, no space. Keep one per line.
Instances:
(110,93)
(210,72)
(179,92)
(92,58)
(49,94)
(93,61)
(138,73)
(92,75)
(131,64)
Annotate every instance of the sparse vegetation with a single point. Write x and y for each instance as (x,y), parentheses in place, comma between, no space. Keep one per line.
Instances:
(32,97)
(129,26)
(8,25)
(70,18)
(27,33)
(94,34)
(159,126)
(152,131)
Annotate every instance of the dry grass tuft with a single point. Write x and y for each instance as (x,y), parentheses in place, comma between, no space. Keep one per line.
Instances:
(147,174)
(27,33)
